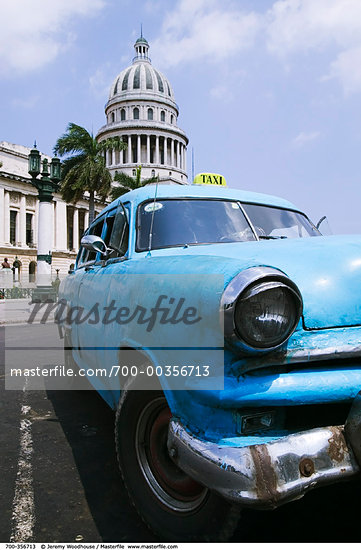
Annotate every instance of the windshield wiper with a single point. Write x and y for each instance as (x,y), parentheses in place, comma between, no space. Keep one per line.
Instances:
(271,237)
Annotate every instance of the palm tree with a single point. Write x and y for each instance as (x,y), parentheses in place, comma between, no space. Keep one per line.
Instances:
(128,183)
(85,171)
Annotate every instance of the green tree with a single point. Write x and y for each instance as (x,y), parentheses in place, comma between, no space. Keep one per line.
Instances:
(85,170)
(128,183)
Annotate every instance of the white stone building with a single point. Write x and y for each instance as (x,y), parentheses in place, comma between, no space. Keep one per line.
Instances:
(142,110)
(19,208)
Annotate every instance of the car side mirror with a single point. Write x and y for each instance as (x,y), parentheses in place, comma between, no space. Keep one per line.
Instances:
(94,244)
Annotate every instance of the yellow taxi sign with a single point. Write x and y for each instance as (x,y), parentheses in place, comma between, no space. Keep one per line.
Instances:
(206,178)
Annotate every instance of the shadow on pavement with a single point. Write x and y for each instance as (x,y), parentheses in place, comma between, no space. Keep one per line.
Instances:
(88,424)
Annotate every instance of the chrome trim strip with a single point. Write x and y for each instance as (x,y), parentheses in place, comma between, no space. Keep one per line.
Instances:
(301,357)
(248,220)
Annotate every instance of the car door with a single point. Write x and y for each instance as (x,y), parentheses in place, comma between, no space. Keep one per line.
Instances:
(84,313)
(94,290)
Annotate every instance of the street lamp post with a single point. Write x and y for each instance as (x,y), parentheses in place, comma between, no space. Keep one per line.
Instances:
(46,185)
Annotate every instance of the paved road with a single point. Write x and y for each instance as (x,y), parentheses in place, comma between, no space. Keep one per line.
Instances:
(76,489)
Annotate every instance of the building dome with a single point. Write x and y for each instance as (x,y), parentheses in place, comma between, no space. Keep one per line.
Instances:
(141,77)
(141,109)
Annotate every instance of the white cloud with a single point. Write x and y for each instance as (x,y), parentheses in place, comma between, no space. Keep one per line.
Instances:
(301,25)
(221,93)
(305,137)
(28,102)
(347,69)
(214,30)
(34,32)
(204,30)
(328,26)
(100,82)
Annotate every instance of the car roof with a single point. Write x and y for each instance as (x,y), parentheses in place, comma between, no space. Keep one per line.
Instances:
(163,191)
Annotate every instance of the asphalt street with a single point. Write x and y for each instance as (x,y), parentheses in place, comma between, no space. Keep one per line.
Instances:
(60,480)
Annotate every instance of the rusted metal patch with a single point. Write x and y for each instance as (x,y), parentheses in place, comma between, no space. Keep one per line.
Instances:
(353,427)
(265,476)
(337,444)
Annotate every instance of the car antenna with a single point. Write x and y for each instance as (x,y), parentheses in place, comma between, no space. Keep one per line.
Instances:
(152,220)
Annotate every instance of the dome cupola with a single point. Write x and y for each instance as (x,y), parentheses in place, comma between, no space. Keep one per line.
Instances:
(141,47)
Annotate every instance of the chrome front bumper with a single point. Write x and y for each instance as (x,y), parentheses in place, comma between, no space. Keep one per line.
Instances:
(268,475)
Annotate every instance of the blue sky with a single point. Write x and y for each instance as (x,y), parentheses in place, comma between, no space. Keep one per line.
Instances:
(269,91)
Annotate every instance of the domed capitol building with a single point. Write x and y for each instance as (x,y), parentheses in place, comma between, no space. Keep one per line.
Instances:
(141,109)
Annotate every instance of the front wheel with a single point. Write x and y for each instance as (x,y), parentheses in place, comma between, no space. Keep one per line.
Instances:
(171,503)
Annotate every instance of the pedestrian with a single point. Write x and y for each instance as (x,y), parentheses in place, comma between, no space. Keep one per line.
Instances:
(5,264)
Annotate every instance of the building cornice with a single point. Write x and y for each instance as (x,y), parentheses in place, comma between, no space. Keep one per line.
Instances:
(135,97)
(143,127)
(14,177)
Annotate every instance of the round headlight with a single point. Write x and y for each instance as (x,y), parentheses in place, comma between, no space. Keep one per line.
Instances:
(266,314)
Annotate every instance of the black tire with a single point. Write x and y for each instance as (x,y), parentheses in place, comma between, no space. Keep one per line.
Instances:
(69,363)
(173,505)
(75,382)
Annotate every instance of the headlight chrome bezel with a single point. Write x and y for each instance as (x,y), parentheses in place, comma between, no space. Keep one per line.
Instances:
(254,280)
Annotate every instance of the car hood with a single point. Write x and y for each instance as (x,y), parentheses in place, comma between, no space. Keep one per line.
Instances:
(327,270)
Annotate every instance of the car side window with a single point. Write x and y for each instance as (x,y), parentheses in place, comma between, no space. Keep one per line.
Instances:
(86,256)
(107,232)
(120,232)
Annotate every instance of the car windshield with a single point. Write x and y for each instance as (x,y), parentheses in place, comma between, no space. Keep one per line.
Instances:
(180,222)
(277,223)
(163,223)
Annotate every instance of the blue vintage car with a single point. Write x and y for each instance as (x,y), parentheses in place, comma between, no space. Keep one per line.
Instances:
(225,331)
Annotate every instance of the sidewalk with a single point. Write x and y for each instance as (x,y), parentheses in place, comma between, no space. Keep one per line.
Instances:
(18,311)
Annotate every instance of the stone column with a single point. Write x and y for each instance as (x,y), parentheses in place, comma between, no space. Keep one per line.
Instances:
(44,242)
(36,223)
(22,221)
(7,218)
(86,219)
(185,158)
(148,149)
(156,149)
(129,149)
(2,216)
(121,154)
(76,229)
(172,152)
(177,153)
(61,225)
(139,160)
(54,225)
